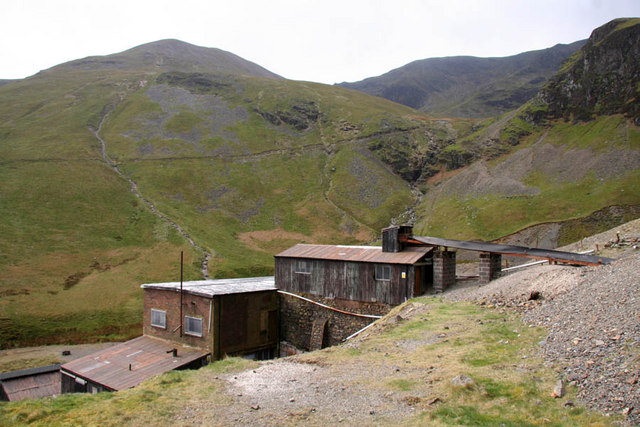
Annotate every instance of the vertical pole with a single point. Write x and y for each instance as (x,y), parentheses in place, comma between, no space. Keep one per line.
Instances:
(181,295)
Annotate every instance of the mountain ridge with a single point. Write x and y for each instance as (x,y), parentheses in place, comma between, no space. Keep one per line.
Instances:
(172,55)
(464,86)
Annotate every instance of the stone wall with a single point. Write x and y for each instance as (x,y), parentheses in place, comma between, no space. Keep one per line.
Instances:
(297,318)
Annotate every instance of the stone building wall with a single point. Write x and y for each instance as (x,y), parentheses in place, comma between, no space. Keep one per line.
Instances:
(297,319)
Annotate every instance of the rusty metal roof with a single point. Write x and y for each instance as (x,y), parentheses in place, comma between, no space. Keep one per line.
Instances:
(549,254)
(146,355)
(210,288)
(374,254)
(31,383)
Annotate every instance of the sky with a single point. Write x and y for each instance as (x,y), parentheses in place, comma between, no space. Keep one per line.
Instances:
(326,41)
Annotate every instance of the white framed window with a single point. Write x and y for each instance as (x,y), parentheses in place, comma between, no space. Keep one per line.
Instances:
(303,266)
(193,326)
(159,318)
(383,272)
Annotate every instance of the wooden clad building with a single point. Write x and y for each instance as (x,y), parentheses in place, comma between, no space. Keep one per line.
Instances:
(30,383)
(355,273)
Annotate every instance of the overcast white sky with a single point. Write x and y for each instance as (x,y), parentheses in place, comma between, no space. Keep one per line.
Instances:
(325,41)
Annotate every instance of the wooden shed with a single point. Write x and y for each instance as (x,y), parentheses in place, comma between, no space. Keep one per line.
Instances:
(355,273)
(30,383)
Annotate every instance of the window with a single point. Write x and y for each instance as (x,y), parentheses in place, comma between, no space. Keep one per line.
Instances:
(159,318)
(303,266)
(383,272)
(193,326)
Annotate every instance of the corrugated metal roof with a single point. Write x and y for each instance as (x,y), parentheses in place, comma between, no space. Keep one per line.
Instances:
(147,356)
(374,254)
(210,288)
(31,383)
(550,254)
(28,372)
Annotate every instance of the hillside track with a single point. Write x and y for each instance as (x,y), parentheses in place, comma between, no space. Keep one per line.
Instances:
(244,158)
(136,190)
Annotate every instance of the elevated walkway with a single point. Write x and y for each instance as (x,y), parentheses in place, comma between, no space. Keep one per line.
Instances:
(511,250)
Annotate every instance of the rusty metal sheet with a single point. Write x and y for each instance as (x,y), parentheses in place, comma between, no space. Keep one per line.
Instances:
(549,254)
(146,355)
(372,254)
(32,385)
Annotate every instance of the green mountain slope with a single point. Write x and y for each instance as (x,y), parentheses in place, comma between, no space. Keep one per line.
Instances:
(465,86)
(571,151)
(111,166)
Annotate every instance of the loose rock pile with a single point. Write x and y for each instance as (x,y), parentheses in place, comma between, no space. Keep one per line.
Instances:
(594,333)
(593,318)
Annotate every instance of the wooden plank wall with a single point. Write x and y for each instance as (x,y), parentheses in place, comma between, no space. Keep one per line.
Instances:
(346,280)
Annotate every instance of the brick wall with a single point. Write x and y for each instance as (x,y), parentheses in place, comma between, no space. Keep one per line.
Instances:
(297,317)
(490,267)
(444,269)
(169,301)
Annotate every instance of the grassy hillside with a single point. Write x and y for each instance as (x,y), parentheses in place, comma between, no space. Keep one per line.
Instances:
(569,152)
(559,172)
(245,165)
(111,166)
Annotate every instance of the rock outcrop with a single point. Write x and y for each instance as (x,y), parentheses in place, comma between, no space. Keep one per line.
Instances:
(601,78)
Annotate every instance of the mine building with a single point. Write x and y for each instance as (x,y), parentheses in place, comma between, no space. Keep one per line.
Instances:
(30,383)
(185,325)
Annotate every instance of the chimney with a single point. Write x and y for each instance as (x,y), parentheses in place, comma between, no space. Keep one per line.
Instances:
(393,237)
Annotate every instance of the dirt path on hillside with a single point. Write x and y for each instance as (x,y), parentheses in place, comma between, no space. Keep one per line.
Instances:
(135,190)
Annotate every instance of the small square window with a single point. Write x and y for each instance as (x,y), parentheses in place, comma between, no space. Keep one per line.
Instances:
(303,266)
(193,326)
(159,318)
(383,272)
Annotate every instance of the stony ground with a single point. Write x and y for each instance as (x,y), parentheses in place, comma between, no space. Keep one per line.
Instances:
(593,318)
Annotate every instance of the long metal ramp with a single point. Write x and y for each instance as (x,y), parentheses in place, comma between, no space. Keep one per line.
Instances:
(521,251)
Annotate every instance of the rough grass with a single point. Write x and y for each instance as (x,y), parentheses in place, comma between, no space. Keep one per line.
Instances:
(471,218)
(435,343)
(16,365)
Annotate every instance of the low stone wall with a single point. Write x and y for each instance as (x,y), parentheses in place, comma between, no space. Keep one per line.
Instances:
(297,318)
